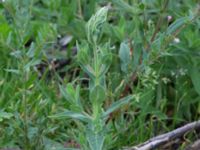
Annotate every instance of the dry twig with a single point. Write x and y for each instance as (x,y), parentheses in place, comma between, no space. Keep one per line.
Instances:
(162,139)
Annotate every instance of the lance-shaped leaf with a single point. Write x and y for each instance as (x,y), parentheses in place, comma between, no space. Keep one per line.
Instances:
(83,53)
(124,55)
(95,140)
(73,115)
(177,24)
(97,94)
(195,74)
(116,105)
(126,7)
(84,58)
(31,63)
(72,96)
(106,60)
(137,54)
(31,51)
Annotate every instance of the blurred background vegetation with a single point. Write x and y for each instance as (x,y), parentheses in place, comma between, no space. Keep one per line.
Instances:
(38,53)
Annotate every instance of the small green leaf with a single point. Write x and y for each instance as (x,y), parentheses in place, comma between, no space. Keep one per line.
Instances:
(106,62)
(89,70)
(72,96)
(195,74)
(17,54)
(83,56)
(95,140)
(70,114)
(137,54)
(63,92)
(13,71)
(116,105)
(126,7)
(31,51)
(9,39)
(97,94)
(31,63)
(124,55)
(32,132)
(177,24)
(71,92)
(5,115)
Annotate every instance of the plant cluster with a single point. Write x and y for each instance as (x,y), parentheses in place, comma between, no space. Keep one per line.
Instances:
(97,74)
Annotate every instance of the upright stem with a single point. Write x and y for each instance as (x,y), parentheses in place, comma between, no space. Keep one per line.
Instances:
(80,9)
(158,25)
(95,105)
(24,99)
(95,59)
(95,111)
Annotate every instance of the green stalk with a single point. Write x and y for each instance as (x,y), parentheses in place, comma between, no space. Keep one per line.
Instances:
(24,100)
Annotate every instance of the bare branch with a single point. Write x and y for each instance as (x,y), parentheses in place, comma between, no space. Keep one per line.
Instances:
(161,139)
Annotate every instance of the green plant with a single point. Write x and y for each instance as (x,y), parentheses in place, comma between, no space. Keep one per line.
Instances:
(148,50)
(95,59)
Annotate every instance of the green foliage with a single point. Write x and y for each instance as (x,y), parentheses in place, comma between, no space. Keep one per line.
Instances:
(98,61)
(133,70)
(124,55)
(194,73)
(5,115)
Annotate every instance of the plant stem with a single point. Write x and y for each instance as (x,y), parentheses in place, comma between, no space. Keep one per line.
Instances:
(24,99)
(158,25)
